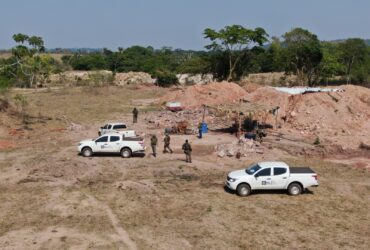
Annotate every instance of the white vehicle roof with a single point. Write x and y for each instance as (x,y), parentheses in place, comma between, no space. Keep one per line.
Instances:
(115,123)
(111,134)
(272,164)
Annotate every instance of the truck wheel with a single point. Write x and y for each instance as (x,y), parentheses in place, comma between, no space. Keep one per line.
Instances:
(243,190)
(295,189)
(87,152)
(126,153)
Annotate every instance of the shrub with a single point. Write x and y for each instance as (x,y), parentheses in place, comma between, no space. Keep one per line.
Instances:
(4,84)
(249,124)
(317,141)
(165,79)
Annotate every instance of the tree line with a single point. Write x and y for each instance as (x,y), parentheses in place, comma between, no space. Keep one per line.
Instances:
(232,52)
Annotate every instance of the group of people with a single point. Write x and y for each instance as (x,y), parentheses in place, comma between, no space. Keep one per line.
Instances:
(186,147)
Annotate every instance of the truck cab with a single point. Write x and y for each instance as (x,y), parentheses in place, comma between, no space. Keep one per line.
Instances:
(117,128)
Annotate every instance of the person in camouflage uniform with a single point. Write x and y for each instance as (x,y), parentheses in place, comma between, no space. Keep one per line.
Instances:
(167,140)
(135,114)
(187,150)
(153,143)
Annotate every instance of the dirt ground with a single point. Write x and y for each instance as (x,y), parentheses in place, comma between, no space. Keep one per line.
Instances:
(52,198)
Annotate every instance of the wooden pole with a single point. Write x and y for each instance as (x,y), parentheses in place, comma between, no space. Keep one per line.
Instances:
(204,113)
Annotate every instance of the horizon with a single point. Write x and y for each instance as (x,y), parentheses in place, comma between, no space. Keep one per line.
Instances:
(112,24)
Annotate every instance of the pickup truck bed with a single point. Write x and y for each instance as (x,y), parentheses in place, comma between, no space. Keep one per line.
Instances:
(132,139)
(301,170)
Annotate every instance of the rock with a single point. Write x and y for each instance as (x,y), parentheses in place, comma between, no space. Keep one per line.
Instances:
(271,79)
(95,77)
(133,78)
(230,152)
(221,154)
(197,79)
(75,127)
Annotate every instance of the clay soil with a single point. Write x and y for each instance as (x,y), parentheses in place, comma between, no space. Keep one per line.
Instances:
(52,198)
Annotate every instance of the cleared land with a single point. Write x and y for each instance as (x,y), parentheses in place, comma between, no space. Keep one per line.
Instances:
(52,198)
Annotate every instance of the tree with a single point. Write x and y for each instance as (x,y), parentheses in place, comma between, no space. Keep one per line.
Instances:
(20,38)
(352,51)
(26,64)
(303,55)
(195,65)
(93,61)
(330,64)
(235,40)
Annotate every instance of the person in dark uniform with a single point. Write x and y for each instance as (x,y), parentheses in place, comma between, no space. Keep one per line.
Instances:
(187,150)
(167,140)
(135,114)
(153,143)
(200,130)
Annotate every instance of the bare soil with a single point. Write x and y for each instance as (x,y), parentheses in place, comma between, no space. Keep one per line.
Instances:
(53,198)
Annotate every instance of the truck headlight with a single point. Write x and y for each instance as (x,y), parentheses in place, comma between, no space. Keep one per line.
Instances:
(232,179)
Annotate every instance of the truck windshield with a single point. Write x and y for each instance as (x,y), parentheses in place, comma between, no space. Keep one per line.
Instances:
(252,169)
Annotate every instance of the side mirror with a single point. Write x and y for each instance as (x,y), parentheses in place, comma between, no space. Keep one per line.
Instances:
(256,176)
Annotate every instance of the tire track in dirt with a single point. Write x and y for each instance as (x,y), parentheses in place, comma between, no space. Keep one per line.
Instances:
(121,232)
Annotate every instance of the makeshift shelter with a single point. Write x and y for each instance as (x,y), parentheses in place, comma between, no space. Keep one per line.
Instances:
(237,112)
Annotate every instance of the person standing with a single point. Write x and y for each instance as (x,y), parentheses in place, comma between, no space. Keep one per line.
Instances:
(187,150)
(167,140)
(200,130)
(135,114)
(153,143)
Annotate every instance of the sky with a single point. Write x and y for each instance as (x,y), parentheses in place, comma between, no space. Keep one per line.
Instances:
(173,23)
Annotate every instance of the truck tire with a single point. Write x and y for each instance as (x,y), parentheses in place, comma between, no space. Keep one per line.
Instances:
(243,189)
(294,189)
(126,153)
(87,152)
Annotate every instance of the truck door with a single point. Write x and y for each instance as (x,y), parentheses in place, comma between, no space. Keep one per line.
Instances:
(263,179)
(108,129)
(279,178)
(102,144)
(114,143)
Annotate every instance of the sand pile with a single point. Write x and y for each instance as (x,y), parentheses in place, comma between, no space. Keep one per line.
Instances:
(75,76)
(271,79)
(168,119)
(210,94)
(242,146)
(342,117)
(133,78)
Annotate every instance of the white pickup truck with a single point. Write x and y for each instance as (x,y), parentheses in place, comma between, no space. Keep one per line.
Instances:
(271,175)
(112,143)
(118,128)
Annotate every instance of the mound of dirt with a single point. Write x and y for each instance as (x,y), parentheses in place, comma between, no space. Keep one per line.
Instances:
(341,117)
(251,87)
(133,78)
(271,79)
(210,94)
(75,77)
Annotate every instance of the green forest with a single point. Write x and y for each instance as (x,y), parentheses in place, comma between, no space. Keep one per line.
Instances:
(232,52)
